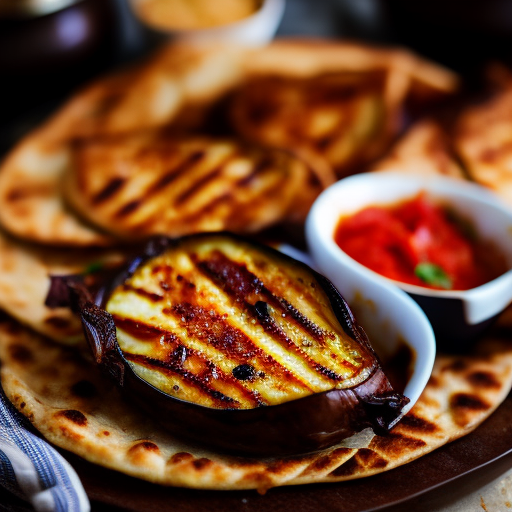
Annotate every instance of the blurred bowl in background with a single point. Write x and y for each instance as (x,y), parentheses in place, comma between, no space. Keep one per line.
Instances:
(47,35)
(249,22)
(47,49)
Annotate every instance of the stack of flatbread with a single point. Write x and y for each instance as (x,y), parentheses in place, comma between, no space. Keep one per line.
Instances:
(474,144)
(210,138)
(201,139)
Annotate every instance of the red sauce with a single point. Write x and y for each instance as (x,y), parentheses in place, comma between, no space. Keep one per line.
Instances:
(417,239)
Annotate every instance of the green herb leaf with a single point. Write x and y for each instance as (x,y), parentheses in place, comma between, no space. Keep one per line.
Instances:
(433,275)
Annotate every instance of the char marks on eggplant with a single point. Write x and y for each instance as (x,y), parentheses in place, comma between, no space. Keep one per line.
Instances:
(218,325)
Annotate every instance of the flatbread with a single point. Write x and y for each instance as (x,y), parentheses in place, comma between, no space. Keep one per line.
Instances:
(425,149)
(483,140)
(25,280)
(31,205)
(73,406)
(148,95)
(305,57)
(176,85)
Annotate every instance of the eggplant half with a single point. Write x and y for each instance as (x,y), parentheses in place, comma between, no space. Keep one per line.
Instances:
(230,343)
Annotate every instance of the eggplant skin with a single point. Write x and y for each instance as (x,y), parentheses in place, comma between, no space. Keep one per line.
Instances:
(272,425)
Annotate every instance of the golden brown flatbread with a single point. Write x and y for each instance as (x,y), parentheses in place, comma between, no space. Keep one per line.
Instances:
(148,95)
(31,205)
(306,57)
(483,140)
(176,85)
(342,118)
(74,407)
(424,149)
(25,272)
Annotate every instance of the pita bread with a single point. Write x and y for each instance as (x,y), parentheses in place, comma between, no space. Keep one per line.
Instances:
(151,183)
(483,140)
(303,57)
(423,150)
(174,86)
(25,280)
(30,199)
(31,206)
(181,79)
(74,407)
(348,128)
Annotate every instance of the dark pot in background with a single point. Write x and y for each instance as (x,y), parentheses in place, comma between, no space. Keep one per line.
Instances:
(48,48)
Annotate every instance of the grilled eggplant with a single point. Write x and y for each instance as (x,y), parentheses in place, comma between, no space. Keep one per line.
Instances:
(232,343)
(155,183)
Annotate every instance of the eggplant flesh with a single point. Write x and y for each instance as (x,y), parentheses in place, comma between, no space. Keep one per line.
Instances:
(231,343)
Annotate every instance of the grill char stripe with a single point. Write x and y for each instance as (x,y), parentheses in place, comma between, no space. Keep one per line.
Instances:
(107,192)
(301,319)
(224,265)
(171,176)
(213,173)
(174,173)
(198,185)
(272,328)
(153,297)
(232,342)
(221,400)
(236,280)
(149,333)
(224,198)
(144,332)
(261,166)
(127,209)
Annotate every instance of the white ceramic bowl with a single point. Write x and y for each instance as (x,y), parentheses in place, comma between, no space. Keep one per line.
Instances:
(458,317)
(388,315)
(255,30)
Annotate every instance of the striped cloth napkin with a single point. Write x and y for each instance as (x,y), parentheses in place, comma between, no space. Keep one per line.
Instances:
(34,471)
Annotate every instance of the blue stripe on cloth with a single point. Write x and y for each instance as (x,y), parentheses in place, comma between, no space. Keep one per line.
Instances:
(54,474)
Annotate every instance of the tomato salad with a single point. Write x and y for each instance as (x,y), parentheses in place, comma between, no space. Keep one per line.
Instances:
(420,242)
